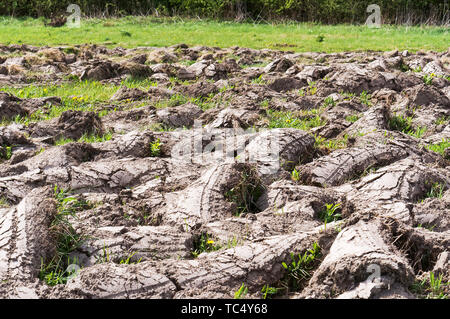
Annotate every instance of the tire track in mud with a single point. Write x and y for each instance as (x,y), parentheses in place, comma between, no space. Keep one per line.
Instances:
(8,235)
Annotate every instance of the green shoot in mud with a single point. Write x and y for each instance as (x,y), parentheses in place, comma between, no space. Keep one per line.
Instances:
(404,67)
(368,170)
(241,292)
(4,202)
(400,123)
(439,147)
(63,141)
(6,152)
(259,80)
(352,118)
(436,287)
(41,150)
(436,190)
(56,270)
(430,228)
(443,120)
(159,127)
(233,242)
(365,98)
(186,62)
(68,205)
(403,124)
(264,104)
(347,95)
(281,119)
(268,292)
(86,138)
(428,78)
(295,175)
(209,102)
(331,213)
(418,132)
(204,243)
(300,267)
(312,88)
(330,144)
(127,260)
(246,192)
(92,138)
(431,288)
(329,102)
(174,100)
(155,148)
(105,256)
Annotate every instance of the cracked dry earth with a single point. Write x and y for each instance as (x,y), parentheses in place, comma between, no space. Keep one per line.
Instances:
(154,207)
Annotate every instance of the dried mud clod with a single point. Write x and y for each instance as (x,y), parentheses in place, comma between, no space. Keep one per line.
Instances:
(332,182)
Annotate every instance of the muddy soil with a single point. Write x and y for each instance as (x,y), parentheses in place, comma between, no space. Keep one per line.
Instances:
(192,201)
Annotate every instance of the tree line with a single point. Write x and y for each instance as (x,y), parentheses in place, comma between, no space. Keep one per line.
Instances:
(321,11)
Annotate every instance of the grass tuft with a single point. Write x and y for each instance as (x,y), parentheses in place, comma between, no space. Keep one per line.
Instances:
(299,269)
(57,270)
(246,192)
(85,138)
(436,190)
(439,147)
(331,213)
(5,152)
(330,144)
(365,98)
(155,148)
(4,202)
(204,243)
(241,292)
(400,123)
(268,292)
(281,119)
(432,287)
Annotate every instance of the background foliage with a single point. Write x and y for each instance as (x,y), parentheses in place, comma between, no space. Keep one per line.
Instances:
(323,11)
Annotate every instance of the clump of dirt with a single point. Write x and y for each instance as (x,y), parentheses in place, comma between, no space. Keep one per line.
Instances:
(70,125)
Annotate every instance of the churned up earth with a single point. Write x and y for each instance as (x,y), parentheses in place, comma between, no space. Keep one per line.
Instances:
(200,172)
